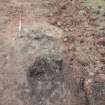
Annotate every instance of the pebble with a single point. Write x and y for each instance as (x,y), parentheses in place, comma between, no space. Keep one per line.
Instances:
(59,23)
(65,39)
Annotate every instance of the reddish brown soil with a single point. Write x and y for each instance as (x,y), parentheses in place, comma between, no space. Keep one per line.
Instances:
(84,44)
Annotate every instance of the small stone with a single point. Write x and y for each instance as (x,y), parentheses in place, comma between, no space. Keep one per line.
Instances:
(59,23)
(82,12)
(88,82)
(65,39)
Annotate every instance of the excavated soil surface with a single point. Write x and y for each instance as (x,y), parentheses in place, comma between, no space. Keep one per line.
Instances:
(52,52)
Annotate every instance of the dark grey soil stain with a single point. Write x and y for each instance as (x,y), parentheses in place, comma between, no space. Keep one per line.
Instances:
(46,81)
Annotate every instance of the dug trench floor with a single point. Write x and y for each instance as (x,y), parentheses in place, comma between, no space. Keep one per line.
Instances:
(52,52)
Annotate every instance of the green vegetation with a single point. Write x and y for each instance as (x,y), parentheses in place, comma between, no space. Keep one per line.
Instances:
(95,3)
(97,6)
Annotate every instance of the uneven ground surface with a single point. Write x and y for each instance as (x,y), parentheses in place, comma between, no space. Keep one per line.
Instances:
(52,52)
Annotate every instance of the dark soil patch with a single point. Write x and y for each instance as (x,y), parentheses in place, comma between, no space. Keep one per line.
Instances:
(46,81)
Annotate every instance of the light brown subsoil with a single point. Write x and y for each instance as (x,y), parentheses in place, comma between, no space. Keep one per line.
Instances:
(76,36)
